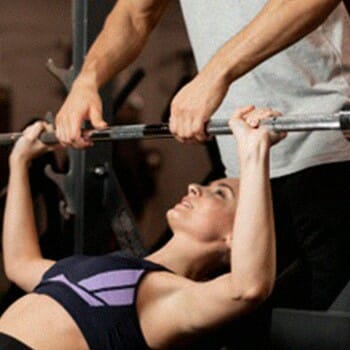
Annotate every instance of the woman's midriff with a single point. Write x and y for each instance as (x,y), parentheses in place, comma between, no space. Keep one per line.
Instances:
(40,322)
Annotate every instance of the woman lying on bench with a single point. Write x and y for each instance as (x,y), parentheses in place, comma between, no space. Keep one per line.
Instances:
(166,300)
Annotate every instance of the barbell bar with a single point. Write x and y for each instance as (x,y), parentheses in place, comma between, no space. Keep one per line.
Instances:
(289,123)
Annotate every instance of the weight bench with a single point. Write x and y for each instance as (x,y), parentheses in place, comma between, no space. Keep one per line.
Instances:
(313,330)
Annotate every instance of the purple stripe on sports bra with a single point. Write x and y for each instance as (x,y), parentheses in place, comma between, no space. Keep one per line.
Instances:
(111,279)
(84,295)
(117,297)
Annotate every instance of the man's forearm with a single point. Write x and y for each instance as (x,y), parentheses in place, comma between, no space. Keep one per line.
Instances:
(124,34)
(278,25)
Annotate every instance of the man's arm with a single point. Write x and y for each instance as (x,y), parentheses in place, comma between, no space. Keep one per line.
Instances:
(279,24)
(124,34)
(23,261)
(121,40)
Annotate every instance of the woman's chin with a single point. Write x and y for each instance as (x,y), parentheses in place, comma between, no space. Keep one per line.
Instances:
(174,216)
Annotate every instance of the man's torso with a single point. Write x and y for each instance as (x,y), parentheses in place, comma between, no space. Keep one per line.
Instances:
(311,76)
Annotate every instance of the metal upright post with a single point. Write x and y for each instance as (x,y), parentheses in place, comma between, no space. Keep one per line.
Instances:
(98,199)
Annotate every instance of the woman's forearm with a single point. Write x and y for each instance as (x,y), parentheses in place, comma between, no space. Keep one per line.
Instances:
(253,244)
(20,239)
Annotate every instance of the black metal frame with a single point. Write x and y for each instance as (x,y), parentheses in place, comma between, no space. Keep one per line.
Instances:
(95,195)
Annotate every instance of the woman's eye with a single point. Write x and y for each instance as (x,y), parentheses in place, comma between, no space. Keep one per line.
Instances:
(220,193)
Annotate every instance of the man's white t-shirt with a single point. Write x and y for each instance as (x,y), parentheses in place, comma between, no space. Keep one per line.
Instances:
(309,77)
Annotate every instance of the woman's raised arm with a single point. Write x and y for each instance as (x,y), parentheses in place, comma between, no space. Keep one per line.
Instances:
(23,261)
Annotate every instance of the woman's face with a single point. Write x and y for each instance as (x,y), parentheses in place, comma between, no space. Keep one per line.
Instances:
(206,212)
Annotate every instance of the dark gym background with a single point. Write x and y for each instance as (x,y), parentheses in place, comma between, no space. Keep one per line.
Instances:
(33,31)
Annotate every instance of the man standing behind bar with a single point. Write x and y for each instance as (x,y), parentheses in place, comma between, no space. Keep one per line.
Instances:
(310,171)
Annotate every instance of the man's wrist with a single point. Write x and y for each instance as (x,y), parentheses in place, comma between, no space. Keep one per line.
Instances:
(86,79)
(219,72)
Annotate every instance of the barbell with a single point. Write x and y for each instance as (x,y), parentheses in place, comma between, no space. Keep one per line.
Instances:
(290,123)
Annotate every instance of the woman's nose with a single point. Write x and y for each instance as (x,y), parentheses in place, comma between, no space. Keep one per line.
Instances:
(194,189)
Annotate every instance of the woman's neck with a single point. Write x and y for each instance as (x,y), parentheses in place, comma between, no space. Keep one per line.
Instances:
(189,258)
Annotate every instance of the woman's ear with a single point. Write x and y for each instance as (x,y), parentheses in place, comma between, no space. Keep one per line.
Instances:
(228,239)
